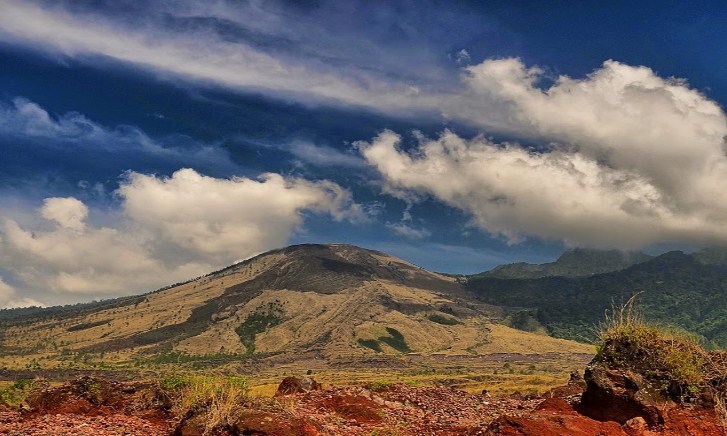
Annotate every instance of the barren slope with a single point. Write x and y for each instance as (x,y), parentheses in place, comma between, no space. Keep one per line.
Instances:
(331,301)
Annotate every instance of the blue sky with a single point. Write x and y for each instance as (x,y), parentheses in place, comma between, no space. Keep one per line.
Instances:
(143,143)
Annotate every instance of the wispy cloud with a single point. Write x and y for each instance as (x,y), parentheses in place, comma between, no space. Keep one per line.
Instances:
(26,120)
(191,50)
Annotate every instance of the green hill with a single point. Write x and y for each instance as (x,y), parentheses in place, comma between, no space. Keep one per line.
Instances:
(686,291)
(576,262)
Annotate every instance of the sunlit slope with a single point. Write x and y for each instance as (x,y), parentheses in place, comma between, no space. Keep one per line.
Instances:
(336,301)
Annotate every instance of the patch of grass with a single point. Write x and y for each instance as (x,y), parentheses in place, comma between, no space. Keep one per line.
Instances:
(15,393)
(213,396)
(87,325)
(176,357)
(671,359)
(370,343)
(396,340)
(258,322)
(379,385)
(444,320)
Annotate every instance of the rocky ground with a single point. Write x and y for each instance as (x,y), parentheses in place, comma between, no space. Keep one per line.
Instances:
(89,406)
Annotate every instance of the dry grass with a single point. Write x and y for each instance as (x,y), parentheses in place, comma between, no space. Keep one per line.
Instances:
(215,397)
(671,359)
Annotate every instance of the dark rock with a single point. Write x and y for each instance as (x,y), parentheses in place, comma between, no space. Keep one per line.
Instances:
(620,395)
(294,385)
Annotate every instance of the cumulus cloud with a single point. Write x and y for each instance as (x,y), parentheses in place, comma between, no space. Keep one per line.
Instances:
(10,300)
(69,213)
(217,216)
(564,195)
(631,158)
(169,229)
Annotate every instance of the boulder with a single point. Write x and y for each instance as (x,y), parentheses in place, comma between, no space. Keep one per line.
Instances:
(621,395)
(294,385)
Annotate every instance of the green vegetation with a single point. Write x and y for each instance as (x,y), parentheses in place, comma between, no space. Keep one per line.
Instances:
(371,343)
(576,262)
(16,392)
(396,340)
(379,385)
(258,322)
(444,320)
(670,360)
(525,320)
(677,289)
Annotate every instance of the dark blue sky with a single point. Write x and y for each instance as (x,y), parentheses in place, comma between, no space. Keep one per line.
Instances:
(102,102)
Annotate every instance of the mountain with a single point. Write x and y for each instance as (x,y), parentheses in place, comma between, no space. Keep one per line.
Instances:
(677,289)
(305,301)
(575,262)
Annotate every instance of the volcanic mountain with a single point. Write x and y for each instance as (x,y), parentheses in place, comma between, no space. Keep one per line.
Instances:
(329,301)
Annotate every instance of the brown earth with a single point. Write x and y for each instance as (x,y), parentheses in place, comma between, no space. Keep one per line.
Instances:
(95,407)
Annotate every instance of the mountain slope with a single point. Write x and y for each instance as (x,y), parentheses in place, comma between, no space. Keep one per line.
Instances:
(576,262)
(324,301)
(676,289)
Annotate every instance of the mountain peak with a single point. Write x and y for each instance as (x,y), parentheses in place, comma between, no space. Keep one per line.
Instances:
(574,262)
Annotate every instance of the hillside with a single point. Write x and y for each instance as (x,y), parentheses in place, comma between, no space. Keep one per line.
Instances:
(575,262)
(686,291)
(338,303)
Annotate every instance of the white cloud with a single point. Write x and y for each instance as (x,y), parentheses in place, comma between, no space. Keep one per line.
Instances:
(28,120)
(324,156)
(632,158)
(197,53)
(69,213)
(562,195)
(169,229)
(408,231)
(216,216)
(9,298)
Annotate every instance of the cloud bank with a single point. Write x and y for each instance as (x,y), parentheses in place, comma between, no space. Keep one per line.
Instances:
(9,298)
(169,229)
(633,159)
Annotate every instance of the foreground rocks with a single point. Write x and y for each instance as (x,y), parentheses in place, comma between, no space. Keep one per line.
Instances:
(97,407)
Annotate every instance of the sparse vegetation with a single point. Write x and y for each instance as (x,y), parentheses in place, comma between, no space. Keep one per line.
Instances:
(215,396)
(444,320)
(371,343)
(671,360)
(396,340)
(15,393)
(257,322)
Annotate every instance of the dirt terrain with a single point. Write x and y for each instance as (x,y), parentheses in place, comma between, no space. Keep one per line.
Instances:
(94,407)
